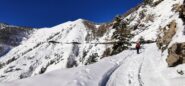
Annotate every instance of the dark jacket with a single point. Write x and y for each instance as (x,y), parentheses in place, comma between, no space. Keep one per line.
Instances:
(138,45)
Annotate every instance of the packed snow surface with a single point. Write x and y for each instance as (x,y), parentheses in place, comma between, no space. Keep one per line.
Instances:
(125,69)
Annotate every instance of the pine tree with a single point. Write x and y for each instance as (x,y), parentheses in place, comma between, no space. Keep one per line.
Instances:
(142,40)
(122,37)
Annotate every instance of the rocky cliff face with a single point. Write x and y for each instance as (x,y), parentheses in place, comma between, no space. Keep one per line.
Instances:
(177,51)
(176,54)
(166,35)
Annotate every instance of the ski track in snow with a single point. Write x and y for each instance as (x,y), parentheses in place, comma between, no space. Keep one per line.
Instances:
(141,83)
(124,69)
(85,74)
(91,75)
(139,66)
(133,73)
(139,75)
(112,71)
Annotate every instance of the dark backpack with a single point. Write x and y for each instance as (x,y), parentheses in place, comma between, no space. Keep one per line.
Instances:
(138,45)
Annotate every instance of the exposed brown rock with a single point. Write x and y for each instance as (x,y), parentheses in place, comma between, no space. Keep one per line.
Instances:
(168,32)
(176,8)
(102,29)
(176,54)
(181,11)
(96,31)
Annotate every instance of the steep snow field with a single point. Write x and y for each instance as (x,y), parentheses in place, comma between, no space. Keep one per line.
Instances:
(125,69)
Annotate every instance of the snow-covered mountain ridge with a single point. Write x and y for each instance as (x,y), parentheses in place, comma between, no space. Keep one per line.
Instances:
(77,43)
(63,46)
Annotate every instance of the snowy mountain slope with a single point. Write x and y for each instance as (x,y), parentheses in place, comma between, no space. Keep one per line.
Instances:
(80,43)
(63,46)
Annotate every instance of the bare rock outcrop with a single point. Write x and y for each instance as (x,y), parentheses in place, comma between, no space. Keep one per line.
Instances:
(166,36)
(176,54)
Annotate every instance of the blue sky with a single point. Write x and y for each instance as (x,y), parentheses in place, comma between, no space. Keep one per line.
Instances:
(48,13)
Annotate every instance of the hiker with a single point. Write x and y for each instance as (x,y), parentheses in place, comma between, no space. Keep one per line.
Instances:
(138,46)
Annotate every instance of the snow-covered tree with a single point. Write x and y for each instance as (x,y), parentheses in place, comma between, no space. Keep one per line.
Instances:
(122,37)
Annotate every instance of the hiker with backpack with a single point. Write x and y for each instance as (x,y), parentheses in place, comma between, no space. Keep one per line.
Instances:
(138,46)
